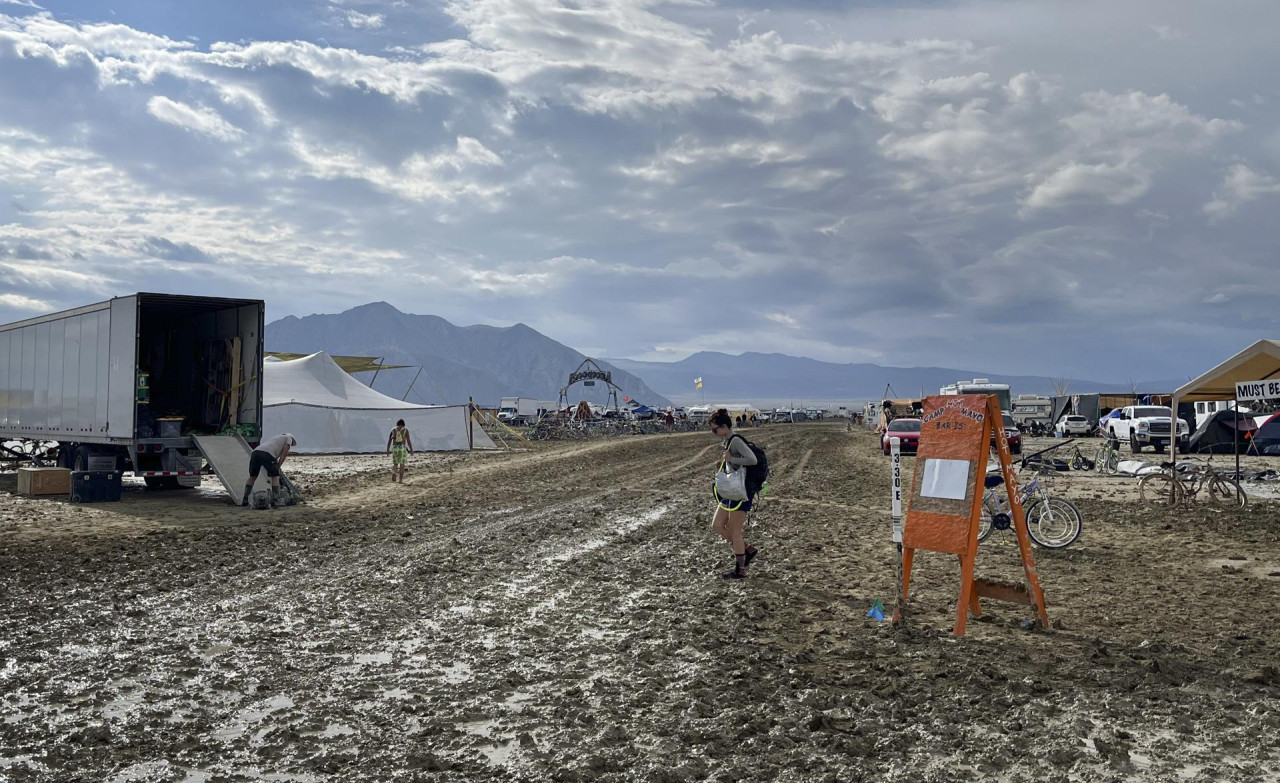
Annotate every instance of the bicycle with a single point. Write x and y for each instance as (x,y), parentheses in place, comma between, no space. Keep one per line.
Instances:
(1080,462)
(1106,460)
(1052,523)
(1192,478)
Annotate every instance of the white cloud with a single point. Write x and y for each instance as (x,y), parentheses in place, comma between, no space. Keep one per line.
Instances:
(194,118)
(365,21)
(1077,183)
(1240,186)
(20,302)
(784,319)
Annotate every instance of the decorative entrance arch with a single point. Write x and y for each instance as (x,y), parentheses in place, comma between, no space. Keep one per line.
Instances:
(589,372)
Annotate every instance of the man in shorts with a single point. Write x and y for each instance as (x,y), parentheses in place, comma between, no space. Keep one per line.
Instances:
(270,454)
(399,446)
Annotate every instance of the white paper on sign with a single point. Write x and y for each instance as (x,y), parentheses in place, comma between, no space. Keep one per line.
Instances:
(945,478)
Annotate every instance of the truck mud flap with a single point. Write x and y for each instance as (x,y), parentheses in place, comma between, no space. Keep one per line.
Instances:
(228,455)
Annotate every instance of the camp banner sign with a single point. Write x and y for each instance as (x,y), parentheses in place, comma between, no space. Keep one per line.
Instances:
(954,439)
(946,501)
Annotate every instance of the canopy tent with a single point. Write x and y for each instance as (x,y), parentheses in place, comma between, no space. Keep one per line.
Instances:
(1258,362)
(329,412)
(1222,433)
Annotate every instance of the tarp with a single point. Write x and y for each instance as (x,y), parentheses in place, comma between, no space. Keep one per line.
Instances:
(330,412)
(1217,433)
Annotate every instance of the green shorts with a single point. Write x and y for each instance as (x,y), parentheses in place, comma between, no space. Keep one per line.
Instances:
(399,456)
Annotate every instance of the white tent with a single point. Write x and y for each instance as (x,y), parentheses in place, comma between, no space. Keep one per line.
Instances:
(330,412)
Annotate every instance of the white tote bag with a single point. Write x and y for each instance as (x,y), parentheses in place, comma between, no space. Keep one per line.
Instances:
(731,484)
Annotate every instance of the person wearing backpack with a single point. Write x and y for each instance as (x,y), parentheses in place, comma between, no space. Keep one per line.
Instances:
(731,515)
(399,446)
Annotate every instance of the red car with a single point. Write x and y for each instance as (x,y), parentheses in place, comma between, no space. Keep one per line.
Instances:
(1011,434)
(905,430)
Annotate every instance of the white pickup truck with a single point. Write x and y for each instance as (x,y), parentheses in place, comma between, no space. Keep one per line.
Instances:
(1146,425)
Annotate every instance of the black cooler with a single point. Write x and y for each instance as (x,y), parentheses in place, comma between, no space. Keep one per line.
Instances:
(95,486)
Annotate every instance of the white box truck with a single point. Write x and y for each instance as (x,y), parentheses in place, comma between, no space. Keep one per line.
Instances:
(134,383)
(518,411)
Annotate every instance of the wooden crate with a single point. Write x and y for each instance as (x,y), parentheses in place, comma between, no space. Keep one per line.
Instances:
(44,481)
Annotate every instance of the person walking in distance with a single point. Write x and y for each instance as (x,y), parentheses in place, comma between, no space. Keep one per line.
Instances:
(399,446)
(270,454)
(731,515)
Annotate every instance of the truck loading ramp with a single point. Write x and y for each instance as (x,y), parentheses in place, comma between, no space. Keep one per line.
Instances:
(228,455)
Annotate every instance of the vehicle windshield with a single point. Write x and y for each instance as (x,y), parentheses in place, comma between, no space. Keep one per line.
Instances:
(1076,419)
(1008,421)
(1150,410)
(904,425)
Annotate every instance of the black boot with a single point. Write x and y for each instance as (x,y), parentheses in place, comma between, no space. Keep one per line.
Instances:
(275,497)
(248,490)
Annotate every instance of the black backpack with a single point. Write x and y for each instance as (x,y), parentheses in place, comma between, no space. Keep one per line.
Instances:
(758,473)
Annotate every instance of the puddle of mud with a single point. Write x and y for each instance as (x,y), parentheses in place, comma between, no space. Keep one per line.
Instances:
(248,716)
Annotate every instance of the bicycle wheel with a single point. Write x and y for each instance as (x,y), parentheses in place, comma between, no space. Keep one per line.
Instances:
(1054,523)
(1154,488)
(984,525)
(1226,491)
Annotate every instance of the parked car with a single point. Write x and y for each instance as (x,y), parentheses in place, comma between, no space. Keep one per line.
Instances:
(907,431)
(1011,434)
(1072,424)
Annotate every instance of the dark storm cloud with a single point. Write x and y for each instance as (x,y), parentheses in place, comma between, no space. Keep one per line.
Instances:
(184,252)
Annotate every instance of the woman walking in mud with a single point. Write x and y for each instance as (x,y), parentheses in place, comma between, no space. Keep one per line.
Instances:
(731,515)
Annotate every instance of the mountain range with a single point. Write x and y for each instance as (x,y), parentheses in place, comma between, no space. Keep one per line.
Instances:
(777,379)
(486,363)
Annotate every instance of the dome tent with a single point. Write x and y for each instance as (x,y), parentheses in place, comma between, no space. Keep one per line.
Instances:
(330,412)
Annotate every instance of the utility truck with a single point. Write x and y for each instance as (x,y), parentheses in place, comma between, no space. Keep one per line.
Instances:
(518,411)
(1147,425)
(135,384)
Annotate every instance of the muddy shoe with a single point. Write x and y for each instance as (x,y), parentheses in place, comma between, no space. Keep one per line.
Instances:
(734,574)
(751,554)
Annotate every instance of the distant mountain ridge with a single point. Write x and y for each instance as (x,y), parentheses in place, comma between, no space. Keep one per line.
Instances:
(768,378)
(483,362)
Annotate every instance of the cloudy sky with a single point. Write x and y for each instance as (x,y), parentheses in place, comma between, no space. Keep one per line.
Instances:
(1066,188)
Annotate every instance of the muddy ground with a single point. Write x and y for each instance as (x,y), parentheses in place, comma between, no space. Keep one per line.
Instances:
(557,613)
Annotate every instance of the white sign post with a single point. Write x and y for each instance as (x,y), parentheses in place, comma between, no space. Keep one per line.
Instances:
(895,448)
(1250,391)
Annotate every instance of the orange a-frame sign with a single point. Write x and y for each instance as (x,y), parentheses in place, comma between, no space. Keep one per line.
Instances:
(945,503)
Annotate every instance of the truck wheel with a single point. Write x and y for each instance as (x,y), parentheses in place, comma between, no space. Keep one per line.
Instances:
(81,459)
(1134,445)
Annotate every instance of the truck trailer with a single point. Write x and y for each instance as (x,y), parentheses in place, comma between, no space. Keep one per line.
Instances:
(518,411)
(135,383)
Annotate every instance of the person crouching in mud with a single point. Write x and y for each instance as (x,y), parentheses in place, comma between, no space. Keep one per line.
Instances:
(731,515)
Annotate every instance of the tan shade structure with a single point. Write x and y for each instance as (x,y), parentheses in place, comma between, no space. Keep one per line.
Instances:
(350,364)
(1258,362)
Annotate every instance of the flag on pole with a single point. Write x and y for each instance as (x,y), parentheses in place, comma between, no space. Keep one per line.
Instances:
(697,382)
